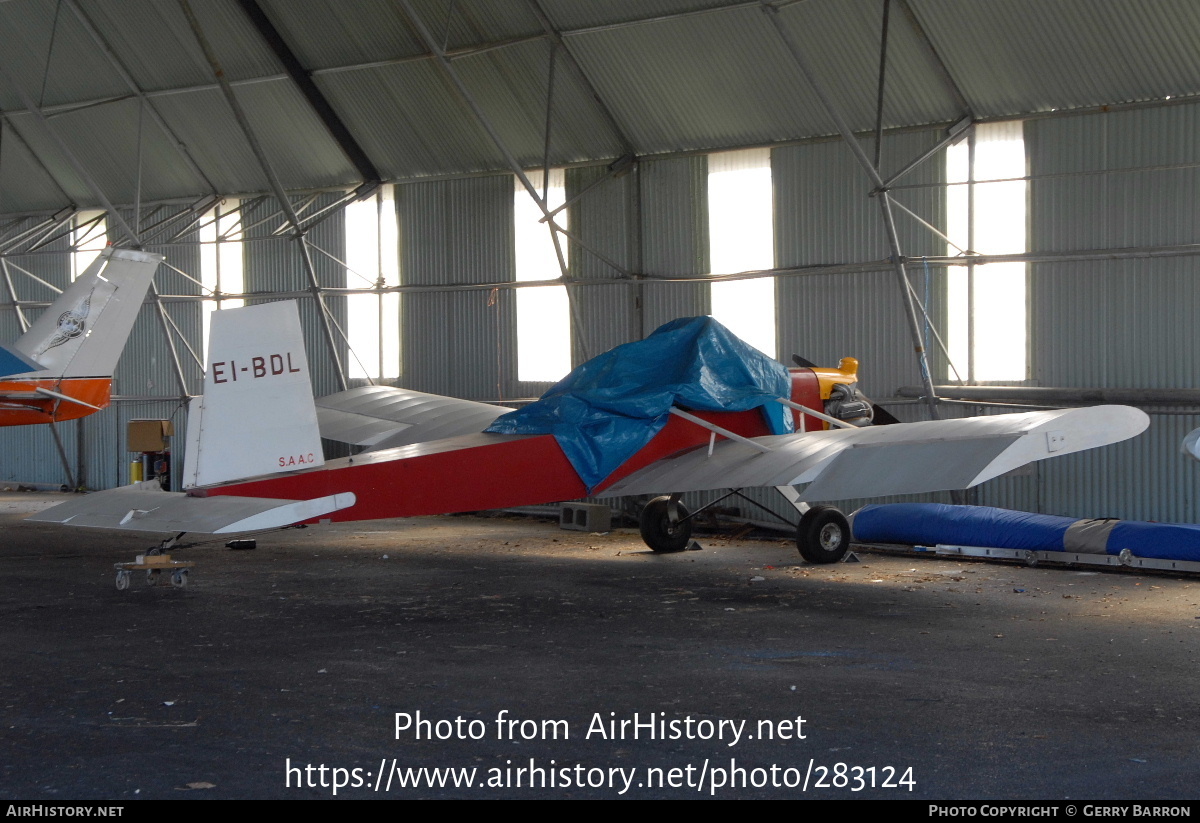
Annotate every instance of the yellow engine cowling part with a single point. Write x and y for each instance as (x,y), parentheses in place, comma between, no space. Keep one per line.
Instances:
(846,373)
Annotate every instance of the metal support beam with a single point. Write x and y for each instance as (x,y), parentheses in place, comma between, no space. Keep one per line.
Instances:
(316,99)
(953,135)
(146,103)
(453,76)
(556,37)
(12,295)
(12,130)
(883,45)
(893,238)
(276,186)
(62,454)
(45,227)
(74,161)
(1055,396)
(960,100)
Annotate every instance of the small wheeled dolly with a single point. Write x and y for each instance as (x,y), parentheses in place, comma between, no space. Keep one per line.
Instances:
(157,567)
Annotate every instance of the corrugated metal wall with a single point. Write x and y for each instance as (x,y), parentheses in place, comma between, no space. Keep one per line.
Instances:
(674,232)
(276,265)
(1117,323)
(459,343)
(605,219)
(147,368)
(822,217)
(28,453)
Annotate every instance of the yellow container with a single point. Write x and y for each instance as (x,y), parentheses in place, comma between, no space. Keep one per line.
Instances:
(135,471)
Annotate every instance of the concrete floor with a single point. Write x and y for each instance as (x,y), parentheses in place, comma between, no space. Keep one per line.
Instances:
(987,681)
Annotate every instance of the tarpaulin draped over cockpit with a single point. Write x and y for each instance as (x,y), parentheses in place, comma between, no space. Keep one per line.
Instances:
(612,405)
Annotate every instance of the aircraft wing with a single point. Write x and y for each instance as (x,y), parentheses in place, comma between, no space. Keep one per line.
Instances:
(383,417)
(145,507)
(936,455)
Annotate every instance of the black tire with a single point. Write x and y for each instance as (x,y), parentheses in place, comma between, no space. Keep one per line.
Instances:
(659,532)
(823,535)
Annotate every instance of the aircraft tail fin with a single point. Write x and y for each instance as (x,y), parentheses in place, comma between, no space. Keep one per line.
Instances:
(83,332)
(257,414)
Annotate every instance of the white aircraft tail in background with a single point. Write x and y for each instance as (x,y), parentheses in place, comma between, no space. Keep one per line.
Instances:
(62,368)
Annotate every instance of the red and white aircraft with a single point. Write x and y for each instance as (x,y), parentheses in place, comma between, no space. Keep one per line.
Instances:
(62,368)
(253,458)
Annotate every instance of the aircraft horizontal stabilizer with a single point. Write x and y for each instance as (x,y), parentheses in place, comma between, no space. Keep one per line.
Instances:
(13,361)
(145,507)
(935,455)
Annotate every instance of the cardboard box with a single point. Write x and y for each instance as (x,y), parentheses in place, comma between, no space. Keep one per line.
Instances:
(149,435)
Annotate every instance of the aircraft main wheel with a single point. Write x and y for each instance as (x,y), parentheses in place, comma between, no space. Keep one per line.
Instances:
(179,578)
(823,535)
(661,532)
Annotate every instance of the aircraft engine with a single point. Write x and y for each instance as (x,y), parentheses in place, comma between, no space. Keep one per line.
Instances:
(847,403)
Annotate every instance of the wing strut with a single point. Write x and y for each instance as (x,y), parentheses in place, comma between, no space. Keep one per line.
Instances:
(841,424)
(712,427)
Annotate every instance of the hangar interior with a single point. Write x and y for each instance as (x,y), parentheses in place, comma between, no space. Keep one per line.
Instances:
(469,197)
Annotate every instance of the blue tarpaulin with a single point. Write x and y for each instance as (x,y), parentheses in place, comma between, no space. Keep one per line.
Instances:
(605,410)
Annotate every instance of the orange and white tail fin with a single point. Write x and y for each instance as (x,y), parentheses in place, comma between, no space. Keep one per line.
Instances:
(83,332)
(257,414)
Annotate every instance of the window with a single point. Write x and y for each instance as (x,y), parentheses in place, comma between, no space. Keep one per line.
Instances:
(88,239)
(986,329)
(543,312)
(742,238)
(221,260)
(372,260)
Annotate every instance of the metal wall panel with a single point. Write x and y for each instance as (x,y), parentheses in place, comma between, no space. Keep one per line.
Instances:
(1117,323)
(603,218)
(275,265)
(458,343)
(674,237)
(147,367)
(28,455)
(823,216)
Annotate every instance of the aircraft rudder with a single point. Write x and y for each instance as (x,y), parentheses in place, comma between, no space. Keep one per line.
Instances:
(257,415)
(83,332)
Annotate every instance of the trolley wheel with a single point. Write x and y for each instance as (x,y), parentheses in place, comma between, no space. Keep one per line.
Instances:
(122,580)
(664,525)
(823,535)
(150,575)
(179,578)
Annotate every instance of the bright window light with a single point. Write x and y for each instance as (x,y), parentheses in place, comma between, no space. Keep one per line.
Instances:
(986,331)
(742,238)
(221,260)
(88,238)
(372,259)
(543,313)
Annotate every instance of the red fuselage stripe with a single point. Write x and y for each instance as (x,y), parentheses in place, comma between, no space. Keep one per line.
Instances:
(509,472)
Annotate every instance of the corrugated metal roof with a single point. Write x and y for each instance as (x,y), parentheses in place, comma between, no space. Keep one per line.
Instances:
(325,35)
(686,84)
(718,77)
(1016,56)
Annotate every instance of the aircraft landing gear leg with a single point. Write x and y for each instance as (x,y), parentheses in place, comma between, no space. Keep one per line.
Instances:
(666,525)
(823,535)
